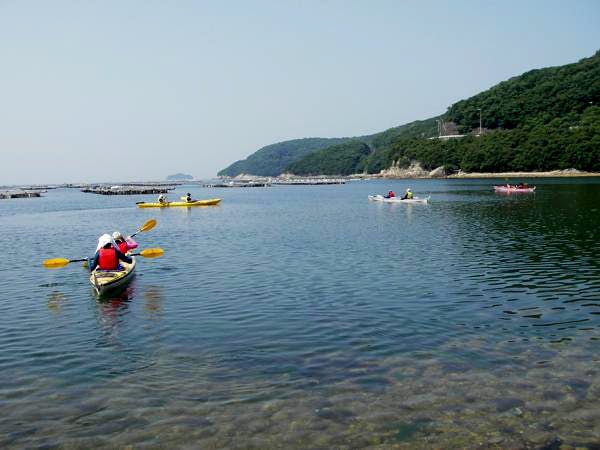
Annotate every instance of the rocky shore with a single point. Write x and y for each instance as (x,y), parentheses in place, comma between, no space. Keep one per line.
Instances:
(552,173)
(415,170)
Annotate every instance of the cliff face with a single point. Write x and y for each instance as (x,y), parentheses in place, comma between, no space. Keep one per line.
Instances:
(413,171)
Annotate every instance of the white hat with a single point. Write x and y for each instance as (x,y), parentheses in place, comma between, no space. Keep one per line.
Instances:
(117,235)
(105,239)
(408,189)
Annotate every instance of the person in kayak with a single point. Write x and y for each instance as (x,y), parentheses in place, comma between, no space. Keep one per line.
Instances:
(408,195)
(390,194)
(107,255)
(162,199)
(124,244)
(188,197)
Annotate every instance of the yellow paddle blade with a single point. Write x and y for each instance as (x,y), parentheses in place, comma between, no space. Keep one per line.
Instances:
(152,253)
(56,263)
(148,225)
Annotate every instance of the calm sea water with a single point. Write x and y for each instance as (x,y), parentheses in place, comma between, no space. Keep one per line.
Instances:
(308,317)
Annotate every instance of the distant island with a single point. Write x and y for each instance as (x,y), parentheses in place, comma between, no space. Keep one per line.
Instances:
(179,177)
(541,121)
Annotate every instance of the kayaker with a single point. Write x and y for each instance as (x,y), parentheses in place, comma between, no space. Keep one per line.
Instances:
(124,244)
(390,194)
(107,255)
(188,197)
(162,199)
(408,195)
(521,185)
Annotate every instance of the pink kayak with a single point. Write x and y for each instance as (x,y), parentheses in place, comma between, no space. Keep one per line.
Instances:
(511,189)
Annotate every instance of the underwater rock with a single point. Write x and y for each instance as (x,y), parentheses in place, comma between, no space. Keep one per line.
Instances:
(505,404)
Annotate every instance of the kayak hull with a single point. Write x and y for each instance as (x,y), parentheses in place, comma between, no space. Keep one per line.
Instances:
(381,198)
(105,281)
(210,202)
(513,190)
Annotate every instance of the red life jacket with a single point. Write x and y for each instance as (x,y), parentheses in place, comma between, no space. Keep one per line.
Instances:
(392,195)
(123,247)
(107,259)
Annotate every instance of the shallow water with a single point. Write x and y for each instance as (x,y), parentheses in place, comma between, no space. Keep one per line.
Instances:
(306,316)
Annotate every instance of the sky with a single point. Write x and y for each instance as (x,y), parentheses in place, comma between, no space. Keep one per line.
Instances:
(138,90)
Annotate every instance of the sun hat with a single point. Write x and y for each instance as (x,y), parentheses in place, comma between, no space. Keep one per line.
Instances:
(103,240)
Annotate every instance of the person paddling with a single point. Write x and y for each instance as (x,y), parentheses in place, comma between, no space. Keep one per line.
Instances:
(162,199)
(188,197)
(125,244)
(390,194)
(107,255)
(408,195)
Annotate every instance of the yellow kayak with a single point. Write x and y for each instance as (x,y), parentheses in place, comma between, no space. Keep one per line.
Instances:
(210,202)
(106,280)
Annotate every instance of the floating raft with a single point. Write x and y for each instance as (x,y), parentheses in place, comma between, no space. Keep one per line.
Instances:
(310,181)
(19,194)
(236,185)
(128,190)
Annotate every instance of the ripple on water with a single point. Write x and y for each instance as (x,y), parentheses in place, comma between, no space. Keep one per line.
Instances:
(290,322)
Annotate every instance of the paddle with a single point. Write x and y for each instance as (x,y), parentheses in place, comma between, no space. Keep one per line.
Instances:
(148,225)
(57,263)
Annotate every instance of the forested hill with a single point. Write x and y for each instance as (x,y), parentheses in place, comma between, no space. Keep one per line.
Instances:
(542,94)
(272,159)
(275,159)
(340,159)
(545,119)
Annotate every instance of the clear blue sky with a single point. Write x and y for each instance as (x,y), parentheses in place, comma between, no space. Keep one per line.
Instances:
(124,90)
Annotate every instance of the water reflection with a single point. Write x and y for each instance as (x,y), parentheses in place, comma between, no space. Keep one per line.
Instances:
(113,308)
(153,299)
(55,302)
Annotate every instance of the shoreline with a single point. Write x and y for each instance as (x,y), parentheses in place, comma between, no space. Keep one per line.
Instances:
(549,174)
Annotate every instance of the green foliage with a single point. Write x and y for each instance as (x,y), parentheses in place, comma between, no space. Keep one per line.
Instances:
(417,129)
(542,94)
(341,159)
(559,144)
(272,159)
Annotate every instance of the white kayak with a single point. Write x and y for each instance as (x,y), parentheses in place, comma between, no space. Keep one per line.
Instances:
(381,198)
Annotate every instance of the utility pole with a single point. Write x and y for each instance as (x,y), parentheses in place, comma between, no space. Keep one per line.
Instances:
(479,121)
